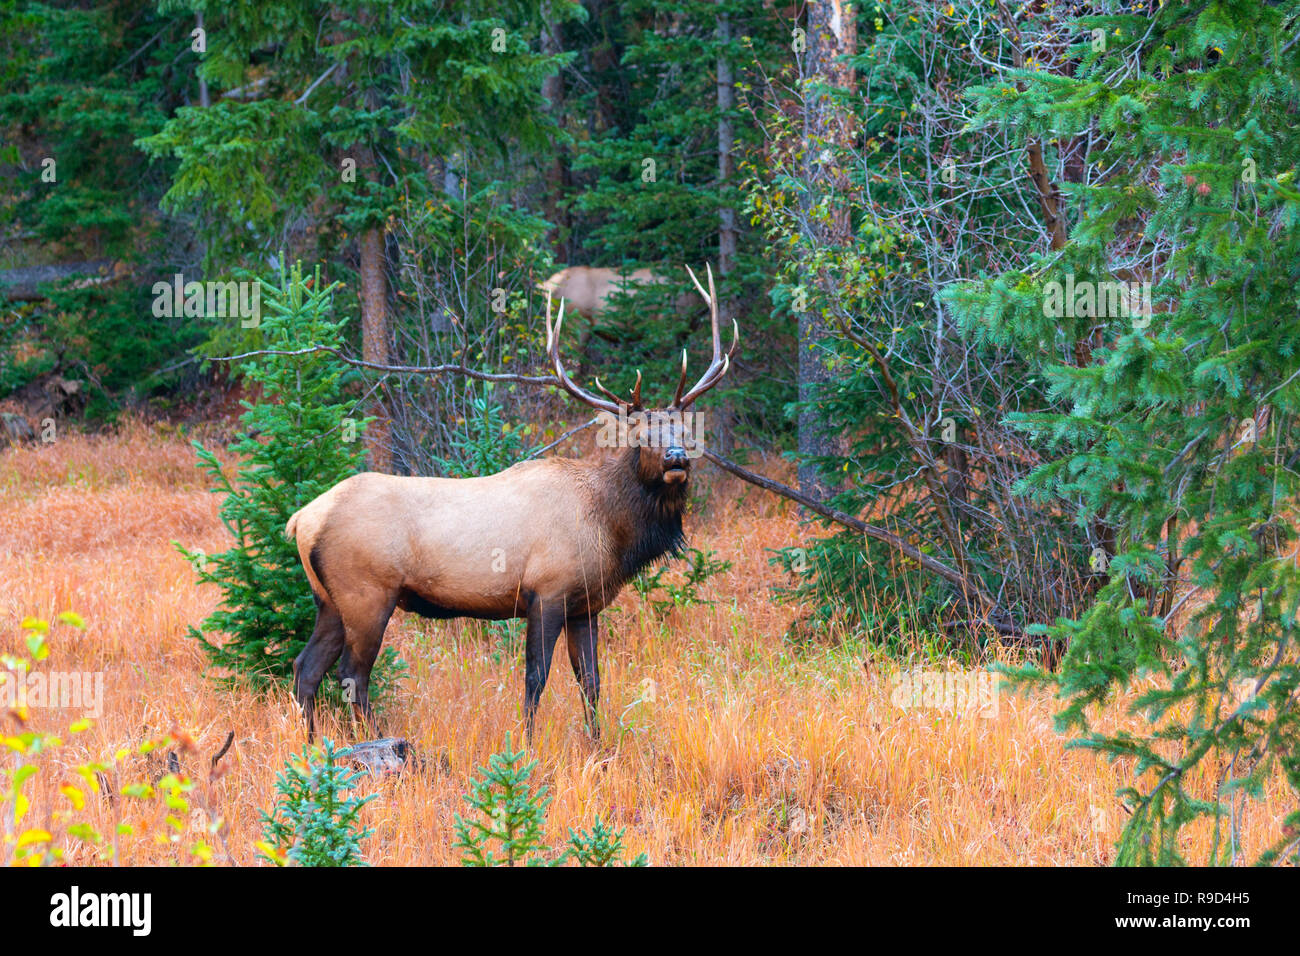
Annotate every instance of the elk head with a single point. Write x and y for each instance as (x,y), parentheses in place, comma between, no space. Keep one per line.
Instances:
(663,438)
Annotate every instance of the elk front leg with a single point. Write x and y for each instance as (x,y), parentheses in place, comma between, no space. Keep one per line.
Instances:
(581,635)
(545,621)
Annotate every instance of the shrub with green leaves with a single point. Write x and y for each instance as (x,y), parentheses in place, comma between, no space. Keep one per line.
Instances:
(297,440)
(664,594)
(315,821)
(488,444)
(506,827)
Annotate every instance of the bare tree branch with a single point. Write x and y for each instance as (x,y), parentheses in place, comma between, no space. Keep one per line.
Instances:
(458,369)
(999,619)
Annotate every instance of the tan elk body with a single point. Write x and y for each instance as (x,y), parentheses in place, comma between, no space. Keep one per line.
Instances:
(587,289)
(552,541)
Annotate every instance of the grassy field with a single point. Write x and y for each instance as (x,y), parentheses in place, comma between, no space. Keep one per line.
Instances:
(726,743)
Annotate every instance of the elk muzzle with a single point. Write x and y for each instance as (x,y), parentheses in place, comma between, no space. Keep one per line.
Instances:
(676,465)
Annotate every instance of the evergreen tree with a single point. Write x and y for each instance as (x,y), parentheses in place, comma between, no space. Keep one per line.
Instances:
(506,827)
(298,440)
(343,122)
(80,83)
(655,185)
(315,822)
(347,127)
(1179,420)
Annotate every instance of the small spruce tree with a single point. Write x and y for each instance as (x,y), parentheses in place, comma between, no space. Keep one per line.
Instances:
(297,441)
(315,821)
(507,826)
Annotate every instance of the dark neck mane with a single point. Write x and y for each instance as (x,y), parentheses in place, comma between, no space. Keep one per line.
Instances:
(645,520)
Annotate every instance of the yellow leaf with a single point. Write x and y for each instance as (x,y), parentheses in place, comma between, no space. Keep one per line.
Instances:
(29,837)
(87,773)
(274,853)
(72,793)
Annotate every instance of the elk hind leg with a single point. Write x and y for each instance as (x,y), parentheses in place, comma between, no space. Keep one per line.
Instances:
(581,634)
(365,622)
(316,658)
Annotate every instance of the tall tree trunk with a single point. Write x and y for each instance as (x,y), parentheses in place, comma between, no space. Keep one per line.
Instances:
(1052,207)
(727,234)
(374,336)
(832,38)
(205,99)
(557,171)
(373,271)
(726,143)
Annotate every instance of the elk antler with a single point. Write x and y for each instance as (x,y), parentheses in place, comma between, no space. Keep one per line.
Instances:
(553,352)
(635,404)
(721,363)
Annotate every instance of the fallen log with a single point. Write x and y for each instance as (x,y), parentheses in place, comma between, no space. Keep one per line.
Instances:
(388,755)
(14,429)
(23,285)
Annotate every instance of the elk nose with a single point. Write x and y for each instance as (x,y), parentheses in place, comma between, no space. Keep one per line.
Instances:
(675,457)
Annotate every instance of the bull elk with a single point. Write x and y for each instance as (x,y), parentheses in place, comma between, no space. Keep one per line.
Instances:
(552,541)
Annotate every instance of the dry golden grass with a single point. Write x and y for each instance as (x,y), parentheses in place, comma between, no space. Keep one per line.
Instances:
(725,744)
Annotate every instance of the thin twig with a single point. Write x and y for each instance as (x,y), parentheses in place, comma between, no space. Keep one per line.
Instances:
(569,434)
(230,739)
(319,80)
